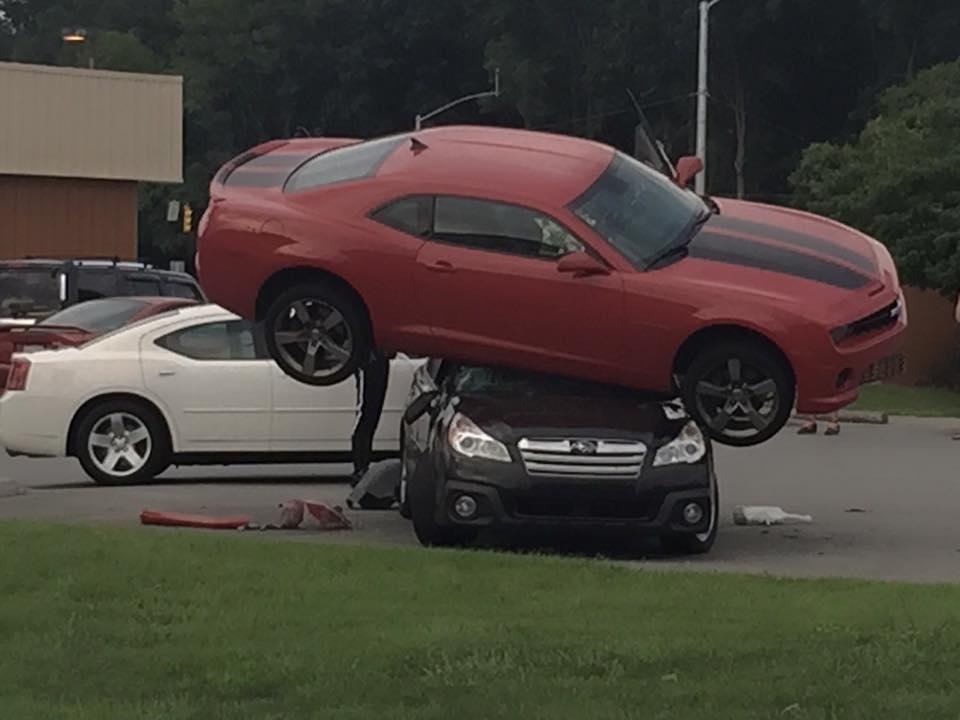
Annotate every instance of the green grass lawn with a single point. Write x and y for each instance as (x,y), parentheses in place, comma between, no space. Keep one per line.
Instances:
(107,623)
(917,401)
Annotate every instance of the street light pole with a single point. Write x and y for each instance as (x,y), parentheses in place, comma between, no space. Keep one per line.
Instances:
(703,51)
(419,119)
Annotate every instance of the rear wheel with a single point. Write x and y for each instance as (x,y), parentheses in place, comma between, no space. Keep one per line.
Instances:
(120,442)
(740,393)
(317,333)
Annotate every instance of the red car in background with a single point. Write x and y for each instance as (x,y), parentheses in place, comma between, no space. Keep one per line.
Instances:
(553,254)
(79,324)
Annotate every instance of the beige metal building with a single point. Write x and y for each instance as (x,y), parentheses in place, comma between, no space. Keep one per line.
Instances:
(74,143)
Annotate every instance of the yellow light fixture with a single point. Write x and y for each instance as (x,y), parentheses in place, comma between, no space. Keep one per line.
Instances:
(74,36)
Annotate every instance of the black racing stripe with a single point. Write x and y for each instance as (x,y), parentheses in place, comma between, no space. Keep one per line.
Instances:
(740,251)
(798,239)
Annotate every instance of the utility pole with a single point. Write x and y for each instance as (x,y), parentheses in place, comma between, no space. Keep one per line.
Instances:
(702,95)
(420,119)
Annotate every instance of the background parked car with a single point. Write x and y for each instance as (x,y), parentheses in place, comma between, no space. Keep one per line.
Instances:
(192,386)
(487,447)
(33,289)
(79,324)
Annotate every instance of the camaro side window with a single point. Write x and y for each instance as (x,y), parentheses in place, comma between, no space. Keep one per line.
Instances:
(410,215)
(500,227)
(213,341)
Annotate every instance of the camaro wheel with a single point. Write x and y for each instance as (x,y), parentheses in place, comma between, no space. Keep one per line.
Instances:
(122,441)
(316,333)
(699,543)
(740,393)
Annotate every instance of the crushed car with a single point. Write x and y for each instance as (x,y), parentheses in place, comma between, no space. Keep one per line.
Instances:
(494,447)
(552,254)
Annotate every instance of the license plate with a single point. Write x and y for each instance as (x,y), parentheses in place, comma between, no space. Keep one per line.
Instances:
(884,369)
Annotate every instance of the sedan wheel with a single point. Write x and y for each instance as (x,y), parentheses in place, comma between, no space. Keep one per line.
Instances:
(316,334)
(120,444)
(121,441)
(739,394)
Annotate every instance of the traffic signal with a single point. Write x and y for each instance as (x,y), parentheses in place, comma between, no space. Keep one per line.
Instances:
(187,218)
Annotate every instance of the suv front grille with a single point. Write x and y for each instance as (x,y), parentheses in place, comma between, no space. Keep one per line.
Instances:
(580,458)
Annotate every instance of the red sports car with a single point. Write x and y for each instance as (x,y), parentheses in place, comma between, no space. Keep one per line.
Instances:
(79,324)
(553,254)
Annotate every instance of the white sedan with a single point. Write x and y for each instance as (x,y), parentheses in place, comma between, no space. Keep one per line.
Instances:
(189,387)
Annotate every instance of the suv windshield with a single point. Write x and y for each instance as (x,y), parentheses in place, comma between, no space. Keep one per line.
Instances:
(28,292)
(486,380)
(97,315)
(637,210)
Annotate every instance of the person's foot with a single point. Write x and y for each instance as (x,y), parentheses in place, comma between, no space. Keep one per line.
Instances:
(832,429)
(808,428)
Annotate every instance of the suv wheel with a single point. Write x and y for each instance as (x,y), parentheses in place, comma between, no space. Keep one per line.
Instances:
(317,333)
(421,496)
(122,442)
(740,393)
(700,543)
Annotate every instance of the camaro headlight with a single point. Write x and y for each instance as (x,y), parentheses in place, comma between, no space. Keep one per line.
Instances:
(687,448)
(470,441)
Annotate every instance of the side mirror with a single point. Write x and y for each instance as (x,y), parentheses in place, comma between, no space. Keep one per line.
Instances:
(419,406)
(581,264)
(688,168)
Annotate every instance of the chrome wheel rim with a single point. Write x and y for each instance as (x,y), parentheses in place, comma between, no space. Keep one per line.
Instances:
(737,399)
(119,444)
(313,338)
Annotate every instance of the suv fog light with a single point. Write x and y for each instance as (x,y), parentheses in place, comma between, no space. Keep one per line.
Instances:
(692,513)
(465,507)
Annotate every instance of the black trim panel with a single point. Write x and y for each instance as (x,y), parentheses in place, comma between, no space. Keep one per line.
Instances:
(748,253)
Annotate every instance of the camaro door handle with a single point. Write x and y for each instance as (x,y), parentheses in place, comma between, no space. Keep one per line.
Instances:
(441,266)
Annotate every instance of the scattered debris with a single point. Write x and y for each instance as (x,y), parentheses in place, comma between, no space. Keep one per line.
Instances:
(855,510)
(294,515)
(210,522)
(672,677)
(766,515)
(789,709)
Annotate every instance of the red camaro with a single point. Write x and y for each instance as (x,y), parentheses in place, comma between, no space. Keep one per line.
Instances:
(551,254)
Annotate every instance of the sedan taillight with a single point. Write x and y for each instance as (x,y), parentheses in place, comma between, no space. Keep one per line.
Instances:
(17,378)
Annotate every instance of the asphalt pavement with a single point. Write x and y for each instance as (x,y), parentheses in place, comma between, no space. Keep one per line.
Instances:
(884,501)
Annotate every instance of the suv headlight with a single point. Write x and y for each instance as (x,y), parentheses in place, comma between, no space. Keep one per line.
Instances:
(687,448)
(470,441)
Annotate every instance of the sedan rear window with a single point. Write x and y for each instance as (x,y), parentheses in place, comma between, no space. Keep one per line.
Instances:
(637,210)
(352,162)
(97,315)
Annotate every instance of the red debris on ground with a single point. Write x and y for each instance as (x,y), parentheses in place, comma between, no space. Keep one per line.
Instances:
(171,519)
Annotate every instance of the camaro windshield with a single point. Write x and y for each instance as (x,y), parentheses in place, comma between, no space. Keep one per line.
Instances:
(639,211)
(28,291)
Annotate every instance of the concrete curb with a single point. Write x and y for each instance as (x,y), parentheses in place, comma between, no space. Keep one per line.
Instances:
(9,488)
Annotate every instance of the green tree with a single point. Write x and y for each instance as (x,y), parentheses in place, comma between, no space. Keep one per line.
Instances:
(900,179)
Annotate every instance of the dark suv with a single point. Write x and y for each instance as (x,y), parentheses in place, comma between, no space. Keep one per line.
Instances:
(33,289)
(485,446)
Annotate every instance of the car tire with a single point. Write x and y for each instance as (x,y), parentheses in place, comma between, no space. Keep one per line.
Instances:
(740,393)
(700,543)
(122,442)
(422,497)
(295,329)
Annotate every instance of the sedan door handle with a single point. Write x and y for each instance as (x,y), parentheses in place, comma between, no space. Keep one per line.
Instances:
(441,266)
(167,373)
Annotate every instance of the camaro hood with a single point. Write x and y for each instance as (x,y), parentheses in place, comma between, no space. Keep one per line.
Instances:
(513,417)
(790,243)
